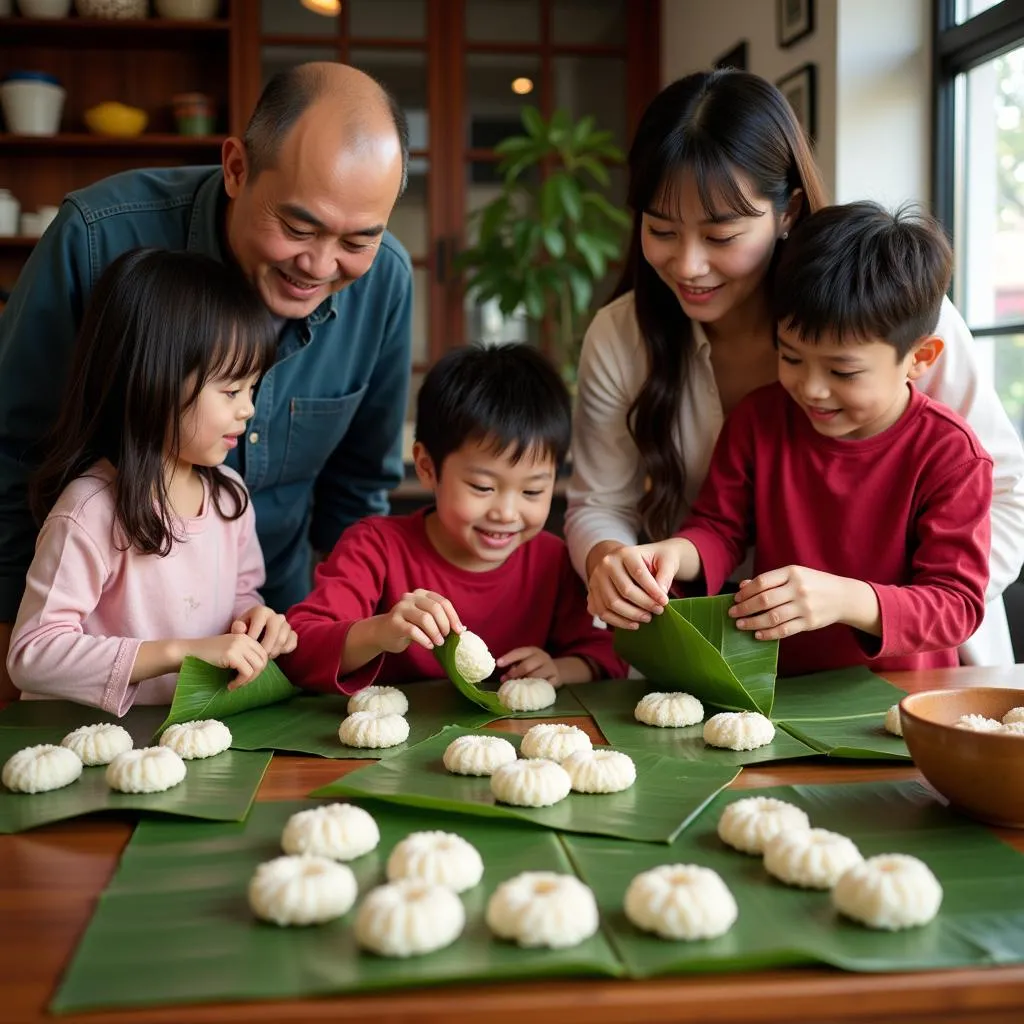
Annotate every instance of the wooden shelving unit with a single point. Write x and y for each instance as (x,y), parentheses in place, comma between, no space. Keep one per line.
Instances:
(140,62)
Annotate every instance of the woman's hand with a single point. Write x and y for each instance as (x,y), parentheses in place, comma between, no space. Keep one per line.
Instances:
(630,584)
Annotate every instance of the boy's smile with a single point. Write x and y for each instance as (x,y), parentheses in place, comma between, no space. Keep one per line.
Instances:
(853,390)
(487,505)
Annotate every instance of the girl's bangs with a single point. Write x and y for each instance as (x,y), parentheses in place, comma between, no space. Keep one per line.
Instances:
(247,351)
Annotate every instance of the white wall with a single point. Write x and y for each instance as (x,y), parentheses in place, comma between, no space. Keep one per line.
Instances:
(873,81)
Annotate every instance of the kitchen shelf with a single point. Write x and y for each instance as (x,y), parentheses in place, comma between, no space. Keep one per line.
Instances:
(102,145)
(97,32)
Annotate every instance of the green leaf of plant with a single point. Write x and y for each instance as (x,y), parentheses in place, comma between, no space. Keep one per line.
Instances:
(695,646)
(591,254)
(605,208)
(534,297)
(554,242)
(202,692)
(582,132)
(446,656)
(595,168)
(534,124)
(582,289)
(569,192)
(551,209)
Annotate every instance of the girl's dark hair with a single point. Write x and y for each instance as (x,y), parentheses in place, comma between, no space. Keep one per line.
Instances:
(507,395)
(711,124)
(860,273)
(158,327)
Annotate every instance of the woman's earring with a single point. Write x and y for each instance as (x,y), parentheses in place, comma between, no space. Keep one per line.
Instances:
(785,235)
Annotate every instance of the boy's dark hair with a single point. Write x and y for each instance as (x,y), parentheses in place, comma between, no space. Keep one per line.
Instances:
(158,327)
(861,272)
(507,395)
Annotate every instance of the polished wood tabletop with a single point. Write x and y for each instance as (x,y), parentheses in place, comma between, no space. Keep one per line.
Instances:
(51,878)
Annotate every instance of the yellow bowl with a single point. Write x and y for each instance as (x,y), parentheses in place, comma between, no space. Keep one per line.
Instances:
(116,119)
(981,773)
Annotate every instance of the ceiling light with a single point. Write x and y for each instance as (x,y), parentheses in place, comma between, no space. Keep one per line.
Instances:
(522,86)
(331,8)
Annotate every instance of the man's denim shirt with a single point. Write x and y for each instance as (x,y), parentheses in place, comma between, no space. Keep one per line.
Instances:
(324,446)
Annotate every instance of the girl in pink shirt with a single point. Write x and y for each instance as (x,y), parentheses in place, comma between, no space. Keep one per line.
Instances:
(148,552)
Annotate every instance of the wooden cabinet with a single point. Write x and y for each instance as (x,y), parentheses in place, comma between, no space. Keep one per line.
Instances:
(142,63)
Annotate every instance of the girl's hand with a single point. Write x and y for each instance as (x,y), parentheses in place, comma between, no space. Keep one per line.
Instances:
(630,585)
(529,663)
(791,600)
(232,650)
(422,617)
(270,628)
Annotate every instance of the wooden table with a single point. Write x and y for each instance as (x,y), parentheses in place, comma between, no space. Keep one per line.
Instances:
(50,880)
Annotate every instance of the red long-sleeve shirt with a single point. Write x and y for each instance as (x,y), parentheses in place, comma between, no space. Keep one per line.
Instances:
(533,599)
(906,511)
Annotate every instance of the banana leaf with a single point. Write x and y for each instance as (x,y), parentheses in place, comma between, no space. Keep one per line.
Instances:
(611,703)
(59,717)
(485,698)
(220,788)
(695,646)
(665,797)
(863,739)
(201,692)
(174,925)
(981,921)
(842,693)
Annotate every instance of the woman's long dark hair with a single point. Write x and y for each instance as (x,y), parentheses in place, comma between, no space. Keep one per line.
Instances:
(158,327)
(710,124)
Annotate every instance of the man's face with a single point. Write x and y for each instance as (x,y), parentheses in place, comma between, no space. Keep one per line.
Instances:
(311,224)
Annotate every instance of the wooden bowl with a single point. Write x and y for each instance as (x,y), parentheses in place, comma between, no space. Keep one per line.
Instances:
(981,774)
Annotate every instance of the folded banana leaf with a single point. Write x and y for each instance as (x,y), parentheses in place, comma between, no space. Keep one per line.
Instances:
(174,925)
(220,788)
(485,698)
(981,921)
(666,795)
(695,646)
(201,692)
(61,716)
(611,703)
(863,739)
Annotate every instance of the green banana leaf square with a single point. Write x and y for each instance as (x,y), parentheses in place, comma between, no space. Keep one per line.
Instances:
(860,739)
(980,923)
(695,646)
(174,924)
(667,793)
(611,703)
(220,788)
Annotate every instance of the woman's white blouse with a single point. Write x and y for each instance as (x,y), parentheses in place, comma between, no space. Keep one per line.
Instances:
(608,474)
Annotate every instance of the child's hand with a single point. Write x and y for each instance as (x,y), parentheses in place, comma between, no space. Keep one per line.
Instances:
(529,663)
(232,650)
(630,585)
(421,617)
(270,628)
(790,600)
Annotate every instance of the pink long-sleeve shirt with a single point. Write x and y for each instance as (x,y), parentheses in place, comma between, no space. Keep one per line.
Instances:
(88,605)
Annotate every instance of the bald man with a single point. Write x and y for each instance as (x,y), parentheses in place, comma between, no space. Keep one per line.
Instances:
(301,204)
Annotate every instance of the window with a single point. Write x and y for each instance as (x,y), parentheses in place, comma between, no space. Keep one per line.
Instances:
(979,184)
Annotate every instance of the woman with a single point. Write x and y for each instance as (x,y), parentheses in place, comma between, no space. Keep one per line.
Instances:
(720,172)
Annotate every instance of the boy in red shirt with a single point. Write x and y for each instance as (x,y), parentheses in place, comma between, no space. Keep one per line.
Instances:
(492,428)
(867,503)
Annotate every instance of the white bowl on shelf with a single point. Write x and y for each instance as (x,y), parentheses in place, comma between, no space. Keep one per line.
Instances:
(112,8)
(32,107)
(187,10)
(44,8)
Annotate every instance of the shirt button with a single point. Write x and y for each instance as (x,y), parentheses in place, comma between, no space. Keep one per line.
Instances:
(254,438)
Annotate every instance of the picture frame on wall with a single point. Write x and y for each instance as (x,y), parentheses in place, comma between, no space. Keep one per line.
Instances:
(794,20)
(800,89)
(734,58)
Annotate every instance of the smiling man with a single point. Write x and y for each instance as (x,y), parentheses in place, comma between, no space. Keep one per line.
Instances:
(300,204)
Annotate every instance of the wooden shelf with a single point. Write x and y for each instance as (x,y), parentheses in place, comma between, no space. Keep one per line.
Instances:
(12,242)
(85,33)
(102,145)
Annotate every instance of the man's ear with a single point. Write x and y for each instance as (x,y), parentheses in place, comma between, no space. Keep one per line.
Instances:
(424,466)
(924,355)
(235,162)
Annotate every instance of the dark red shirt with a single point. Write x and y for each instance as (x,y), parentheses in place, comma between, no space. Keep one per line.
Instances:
(533,599)
(906,511)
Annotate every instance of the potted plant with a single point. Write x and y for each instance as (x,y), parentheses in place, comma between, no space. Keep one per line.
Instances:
(542,245)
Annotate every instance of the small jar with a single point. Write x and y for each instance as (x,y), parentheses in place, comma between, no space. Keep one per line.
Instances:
(9,210)
(193,113)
